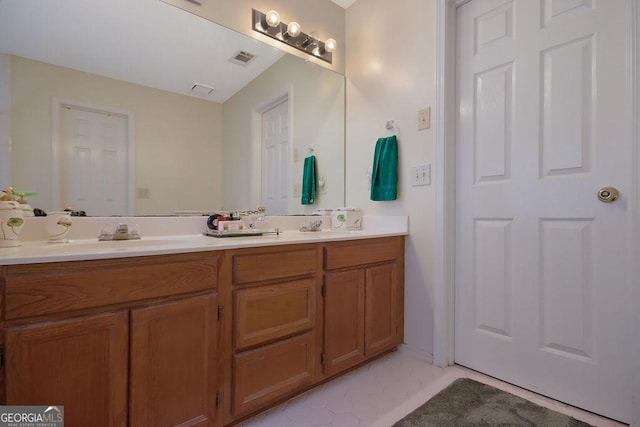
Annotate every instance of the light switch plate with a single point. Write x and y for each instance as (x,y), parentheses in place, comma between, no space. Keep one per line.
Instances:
(424,119)
(322,185)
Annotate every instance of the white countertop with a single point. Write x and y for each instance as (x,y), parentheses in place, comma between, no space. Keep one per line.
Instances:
(40,251)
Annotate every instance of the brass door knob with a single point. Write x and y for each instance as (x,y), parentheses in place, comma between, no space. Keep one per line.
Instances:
(608,194)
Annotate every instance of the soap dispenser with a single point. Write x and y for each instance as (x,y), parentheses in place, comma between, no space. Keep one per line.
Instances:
(261,213)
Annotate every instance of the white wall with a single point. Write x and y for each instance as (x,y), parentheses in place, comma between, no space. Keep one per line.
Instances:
(390,69)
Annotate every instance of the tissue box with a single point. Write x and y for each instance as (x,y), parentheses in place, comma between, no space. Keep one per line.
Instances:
(346,219)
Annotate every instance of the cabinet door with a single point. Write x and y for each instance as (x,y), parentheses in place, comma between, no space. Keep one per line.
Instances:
(79,363)
(381,312)
(344,320)
(174,364)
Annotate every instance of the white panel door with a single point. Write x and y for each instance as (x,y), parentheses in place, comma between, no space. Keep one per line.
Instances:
(543,274)
(94,161)
(276,170)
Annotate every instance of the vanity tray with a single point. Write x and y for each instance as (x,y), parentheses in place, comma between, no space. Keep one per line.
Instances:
(238,233)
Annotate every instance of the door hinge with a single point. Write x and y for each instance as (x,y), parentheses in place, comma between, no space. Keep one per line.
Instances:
(218,400)
(324,290)
(219,312)
(323,358)
(1,357)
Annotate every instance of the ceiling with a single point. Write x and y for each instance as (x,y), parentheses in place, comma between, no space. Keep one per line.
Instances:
(146,42)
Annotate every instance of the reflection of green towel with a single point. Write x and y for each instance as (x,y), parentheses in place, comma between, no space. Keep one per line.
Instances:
(384,176)
(309,181)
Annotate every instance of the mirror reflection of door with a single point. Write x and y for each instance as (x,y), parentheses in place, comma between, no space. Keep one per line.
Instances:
(94,161)
(276,170)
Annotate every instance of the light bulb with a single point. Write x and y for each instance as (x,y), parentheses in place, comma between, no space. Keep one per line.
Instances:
(293,29)
(272,18)
(330,45)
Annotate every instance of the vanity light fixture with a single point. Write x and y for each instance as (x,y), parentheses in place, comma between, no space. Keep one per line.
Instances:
(293,29)
(272,18)
(330,45)
(291,34)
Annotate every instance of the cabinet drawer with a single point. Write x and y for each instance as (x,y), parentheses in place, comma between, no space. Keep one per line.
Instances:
(263,375)
(40,289)
(280,264)
(360,253)
(275,311)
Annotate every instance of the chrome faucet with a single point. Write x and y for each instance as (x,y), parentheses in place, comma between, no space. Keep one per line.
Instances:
(123,232)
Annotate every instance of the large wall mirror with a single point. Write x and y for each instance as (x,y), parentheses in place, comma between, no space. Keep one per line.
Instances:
(159,112)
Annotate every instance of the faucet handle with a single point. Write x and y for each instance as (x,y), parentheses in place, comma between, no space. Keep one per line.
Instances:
(122,228)
(134,231)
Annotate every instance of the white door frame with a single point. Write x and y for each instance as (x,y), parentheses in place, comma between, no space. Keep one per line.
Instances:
(5,120)
(444,292)
(56,127)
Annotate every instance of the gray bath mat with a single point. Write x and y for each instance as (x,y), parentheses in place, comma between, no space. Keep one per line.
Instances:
(467,403)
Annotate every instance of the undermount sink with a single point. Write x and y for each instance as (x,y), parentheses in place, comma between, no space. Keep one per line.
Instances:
(136,243)
(95,245)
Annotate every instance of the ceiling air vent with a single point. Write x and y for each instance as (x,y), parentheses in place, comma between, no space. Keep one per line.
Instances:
(242,57)
(202,89)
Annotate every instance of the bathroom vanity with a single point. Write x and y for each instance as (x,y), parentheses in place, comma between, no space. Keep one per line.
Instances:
(206,333)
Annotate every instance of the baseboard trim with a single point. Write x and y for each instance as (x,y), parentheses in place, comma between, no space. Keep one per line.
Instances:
(415,352)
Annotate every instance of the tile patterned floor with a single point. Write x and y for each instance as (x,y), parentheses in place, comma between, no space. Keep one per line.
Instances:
(381,393)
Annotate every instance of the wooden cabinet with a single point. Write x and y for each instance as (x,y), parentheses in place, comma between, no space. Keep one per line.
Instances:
(113,356)
(344,320)
(80,363)
(275,348)
(200,339)
(364,296)
(173,377)
(381,308)
(267,313)
(266,373)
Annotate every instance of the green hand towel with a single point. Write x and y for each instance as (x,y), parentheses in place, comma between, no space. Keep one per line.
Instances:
(384,176)
(309,181)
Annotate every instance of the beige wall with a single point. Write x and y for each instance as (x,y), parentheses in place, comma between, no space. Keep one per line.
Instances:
(390,73)
(321,18)
(317,106)
(176,141)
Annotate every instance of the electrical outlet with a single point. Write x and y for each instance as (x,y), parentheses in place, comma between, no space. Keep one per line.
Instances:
(142,193)
(421,175)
